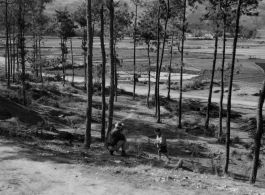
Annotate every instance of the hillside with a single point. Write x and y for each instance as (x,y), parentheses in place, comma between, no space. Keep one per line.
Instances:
(193,17)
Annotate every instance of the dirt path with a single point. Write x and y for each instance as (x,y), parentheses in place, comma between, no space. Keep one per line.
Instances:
(25,172)
(142,90)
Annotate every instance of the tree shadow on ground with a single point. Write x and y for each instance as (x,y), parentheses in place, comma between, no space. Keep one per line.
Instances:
(33,153)
(120,107)
(58,151)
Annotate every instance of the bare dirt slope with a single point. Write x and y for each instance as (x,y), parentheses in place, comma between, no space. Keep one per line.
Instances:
(26,171)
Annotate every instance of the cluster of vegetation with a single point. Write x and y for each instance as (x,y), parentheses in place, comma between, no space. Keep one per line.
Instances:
(162,20)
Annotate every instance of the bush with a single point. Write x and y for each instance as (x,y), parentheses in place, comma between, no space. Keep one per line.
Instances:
(235,153)
(222,139)
(195,84)
(17,96)
(212,129)
(28,77)
(236,140)
(174,87)
(190,85)
(66,99)
(48,102)
(191,123)
(97,87)
(52,88)
(58,77)
(28,85)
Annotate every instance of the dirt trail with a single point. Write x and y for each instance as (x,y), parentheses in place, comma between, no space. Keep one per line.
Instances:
(26,172)
(142,90)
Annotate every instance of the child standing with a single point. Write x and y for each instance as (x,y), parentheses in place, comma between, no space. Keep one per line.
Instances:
(161,143)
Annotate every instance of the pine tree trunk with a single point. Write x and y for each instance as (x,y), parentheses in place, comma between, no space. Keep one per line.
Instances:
(6,62)
(134,53)
(111,44)
(85,59)
(10,54)
(7,44)
(149,74)
(36,55)
(211,84)
(258,136)
(89,74)
(34,45)
(181,65)
(17,55)
(11,46)
(93,29)
(40,62)
(170,65)
(23,54)
(14,52)
(222,79)
(116,74)
(157,61)
(103,112)
(62,48)
(73,68)
(230,90)
(160,67)
(22,47)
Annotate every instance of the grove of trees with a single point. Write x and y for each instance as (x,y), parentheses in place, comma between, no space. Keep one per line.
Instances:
(163,25)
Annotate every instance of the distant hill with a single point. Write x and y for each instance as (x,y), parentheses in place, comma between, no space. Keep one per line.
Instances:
(71,5)
(193,18)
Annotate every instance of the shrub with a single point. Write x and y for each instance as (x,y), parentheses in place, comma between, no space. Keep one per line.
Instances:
(190,123)
(216,164)
(174,87)
(16,96)
(28,77)
(236,140)
(97,87)
(211,130)
(48,102)
(66,99)
(28,85)
(52,88)
(234,153)
(58,77)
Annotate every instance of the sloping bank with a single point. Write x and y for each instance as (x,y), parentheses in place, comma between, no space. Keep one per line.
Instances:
(23,113)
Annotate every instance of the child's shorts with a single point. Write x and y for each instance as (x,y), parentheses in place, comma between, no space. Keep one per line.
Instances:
(163,149)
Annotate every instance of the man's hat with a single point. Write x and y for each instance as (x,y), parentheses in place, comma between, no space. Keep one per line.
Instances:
(119,124)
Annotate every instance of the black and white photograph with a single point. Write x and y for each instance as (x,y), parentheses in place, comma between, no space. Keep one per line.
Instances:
(132,97)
